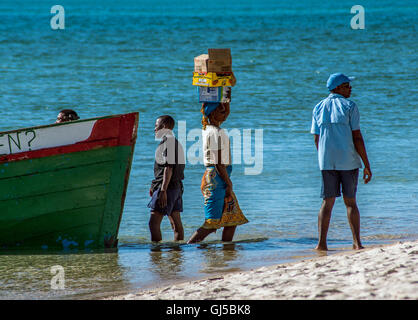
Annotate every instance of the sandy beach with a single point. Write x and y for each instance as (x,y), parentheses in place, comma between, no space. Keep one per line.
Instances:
(383,272)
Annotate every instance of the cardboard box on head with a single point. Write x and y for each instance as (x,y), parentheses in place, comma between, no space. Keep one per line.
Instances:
(212,79)
(201,63)
(217,61)
(214,94)
(220,60)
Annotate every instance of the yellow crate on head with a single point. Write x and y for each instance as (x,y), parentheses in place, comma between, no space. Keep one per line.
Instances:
(212,79)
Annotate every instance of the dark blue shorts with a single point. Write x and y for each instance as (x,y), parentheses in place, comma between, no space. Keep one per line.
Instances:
(174,201)
(332,180)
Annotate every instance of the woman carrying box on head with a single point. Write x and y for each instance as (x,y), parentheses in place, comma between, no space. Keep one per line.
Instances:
(221,205)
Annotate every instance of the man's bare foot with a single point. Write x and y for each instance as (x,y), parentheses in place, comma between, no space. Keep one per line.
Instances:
(357,247)
(321,248)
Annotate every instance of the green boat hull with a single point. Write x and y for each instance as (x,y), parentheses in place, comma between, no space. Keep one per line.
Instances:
(65,201)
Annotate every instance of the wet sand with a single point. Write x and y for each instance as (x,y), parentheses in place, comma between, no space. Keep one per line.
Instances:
(383,272)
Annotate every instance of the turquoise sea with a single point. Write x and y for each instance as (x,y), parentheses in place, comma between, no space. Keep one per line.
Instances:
(123,56)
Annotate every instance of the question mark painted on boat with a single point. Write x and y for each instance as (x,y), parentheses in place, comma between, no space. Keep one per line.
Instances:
(30,141)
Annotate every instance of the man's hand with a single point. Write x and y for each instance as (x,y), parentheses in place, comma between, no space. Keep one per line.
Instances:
(367,175)
(162,199)
(361,150)
(316,139)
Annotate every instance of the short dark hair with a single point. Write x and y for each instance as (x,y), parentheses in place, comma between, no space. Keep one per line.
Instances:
(71,114)
(167,121)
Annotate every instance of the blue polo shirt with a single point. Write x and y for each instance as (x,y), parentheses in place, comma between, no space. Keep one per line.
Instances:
(334,119)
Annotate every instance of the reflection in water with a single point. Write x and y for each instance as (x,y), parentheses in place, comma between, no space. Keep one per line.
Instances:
(320,253)
(30,276)
(219,260)
(167,262)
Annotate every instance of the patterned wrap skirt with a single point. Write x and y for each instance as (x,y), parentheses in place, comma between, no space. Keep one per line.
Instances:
(219,211)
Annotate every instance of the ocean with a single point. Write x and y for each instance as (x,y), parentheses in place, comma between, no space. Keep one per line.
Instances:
(125,56)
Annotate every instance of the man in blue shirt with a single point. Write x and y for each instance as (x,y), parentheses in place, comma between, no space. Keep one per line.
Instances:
(340,145)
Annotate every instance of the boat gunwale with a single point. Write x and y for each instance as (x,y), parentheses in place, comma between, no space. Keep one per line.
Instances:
(102,143)
(67,123)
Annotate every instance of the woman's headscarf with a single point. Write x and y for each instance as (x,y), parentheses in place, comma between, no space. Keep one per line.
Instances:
(209,107)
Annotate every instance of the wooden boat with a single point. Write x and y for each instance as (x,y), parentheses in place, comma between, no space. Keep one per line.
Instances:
(63,186)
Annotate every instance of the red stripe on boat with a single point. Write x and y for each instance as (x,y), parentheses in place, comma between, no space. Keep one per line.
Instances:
(109,132)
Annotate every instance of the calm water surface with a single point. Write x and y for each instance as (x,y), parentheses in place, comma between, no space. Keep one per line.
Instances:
(138,56)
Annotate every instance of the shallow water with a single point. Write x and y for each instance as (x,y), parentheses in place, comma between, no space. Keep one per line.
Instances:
(134,56)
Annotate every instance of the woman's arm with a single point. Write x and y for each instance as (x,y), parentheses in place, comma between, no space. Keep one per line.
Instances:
(221,168)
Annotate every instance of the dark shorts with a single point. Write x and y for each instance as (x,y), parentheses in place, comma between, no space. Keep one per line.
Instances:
(174,201)
(332,180)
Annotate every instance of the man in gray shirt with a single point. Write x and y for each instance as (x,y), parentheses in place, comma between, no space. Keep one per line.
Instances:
(167,188)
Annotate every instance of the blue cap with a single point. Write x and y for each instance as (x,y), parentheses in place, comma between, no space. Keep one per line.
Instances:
(209,107)
(336,79)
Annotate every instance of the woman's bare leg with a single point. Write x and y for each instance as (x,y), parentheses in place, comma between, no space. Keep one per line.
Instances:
(200,234)
(228,233)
